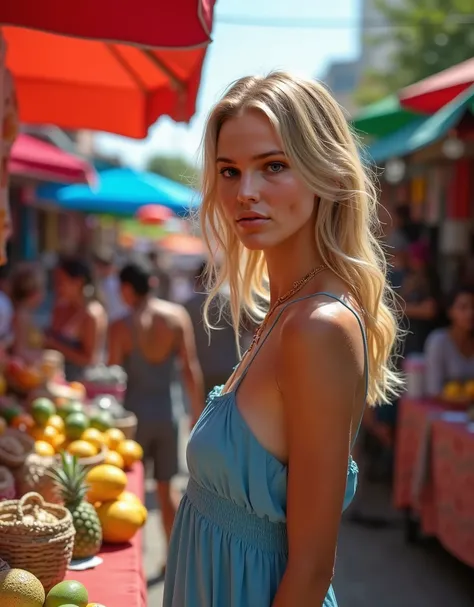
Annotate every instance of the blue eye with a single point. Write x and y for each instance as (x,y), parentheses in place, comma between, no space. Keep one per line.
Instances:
(228,172)
(276,167)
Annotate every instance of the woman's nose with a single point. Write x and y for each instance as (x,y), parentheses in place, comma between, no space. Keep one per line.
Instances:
(248,189)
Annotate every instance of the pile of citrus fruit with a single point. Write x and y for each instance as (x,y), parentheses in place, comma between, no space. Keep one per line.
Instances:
(69,426)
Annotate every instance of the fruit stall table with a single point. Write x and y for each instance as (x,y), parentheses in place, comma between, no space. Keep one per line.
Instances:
(411,491)
(434,472)
(119,581)
(453,485)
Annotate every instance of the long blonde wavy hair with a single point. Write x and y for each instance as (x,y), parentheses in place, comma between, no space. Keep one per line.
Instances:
(320,146)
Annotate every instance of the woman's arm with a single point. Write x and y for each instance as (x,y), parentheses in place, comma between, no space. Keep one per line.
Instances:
(435,372)
(424,310)
(320,373)
(92,332)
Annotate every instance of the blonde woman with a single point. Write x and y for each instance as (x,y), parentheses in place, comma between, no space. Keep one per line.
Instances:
(292,210)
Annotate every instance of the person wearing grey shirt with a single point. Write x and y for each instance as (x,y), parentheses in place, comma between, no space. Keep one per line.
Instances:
(449,352)
(217,353)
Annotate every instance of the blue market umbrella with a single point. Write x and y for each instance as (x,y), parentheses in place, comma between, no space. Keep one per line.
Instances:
(121,192)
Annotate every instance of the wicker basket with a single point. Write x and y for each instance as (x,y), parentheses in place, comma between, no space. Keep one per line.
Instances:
(33,476)
(15,457)
(128,424)
(38,537)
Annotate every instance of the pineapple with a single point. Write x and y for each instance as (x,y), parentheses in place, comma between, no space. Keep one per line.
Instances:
(70,483)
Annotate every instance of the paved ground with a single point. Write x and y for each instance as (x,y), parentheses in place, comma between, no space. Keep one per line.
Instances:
(375,567)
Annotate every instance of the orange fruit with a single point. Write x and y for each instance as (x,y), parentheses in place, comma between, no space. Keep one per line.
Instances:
(114,459)
(23,422)
(131,452)
(55,421)
(79,388)
(49,434)
(82,448)
(114,437)
(59,442)
(43,448)
(95,437)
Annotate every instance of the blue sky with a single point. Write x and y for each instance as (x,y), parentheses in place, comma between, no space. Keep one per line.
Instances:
(243,50)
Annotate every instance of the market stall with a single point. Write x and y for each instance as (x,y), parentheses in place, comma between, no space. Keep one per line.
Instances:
(119,581)
(71,489)
(434,471)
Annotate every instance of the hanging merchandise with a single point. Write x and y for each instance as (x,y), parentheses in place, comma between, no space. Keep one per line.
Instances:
(10,129)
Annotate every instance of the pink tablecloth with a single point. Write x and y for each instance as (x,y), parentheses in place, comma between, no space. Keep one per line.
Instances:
(453,480)
(413,432)
(119,581)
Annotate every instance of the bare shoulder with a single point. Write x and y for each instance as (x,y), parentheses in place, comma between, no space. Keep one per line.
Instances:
(169,312)
(95,310)
(321,319)
(324,332)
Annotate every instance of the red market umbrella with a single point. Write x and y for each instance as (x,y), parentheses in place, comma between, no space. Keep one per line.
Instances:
(35,158)
(88,84)
(154,214)
(152,23)
(431,94)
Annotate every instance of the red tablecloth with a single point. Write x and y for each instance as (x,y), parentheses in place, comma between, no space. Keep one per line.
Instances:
(119,581)
(414,422)
(453,480)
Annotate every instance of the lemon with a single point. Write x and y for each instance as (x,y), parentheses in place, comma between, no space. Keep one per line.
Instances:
(105,482)
(58,442)
(131,452)
(114,459)
(128,496)
(43,448)
(114,437)
(82,448)
(55,421)
(95,437)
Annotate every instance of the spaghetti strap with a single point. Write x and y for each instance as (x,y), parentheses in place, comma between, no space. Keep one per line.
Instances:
(278,316)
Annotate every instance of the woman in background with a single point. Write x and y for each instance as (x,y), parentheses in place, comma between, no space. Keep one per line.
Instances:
(449,352)
(79,322)
(27,293)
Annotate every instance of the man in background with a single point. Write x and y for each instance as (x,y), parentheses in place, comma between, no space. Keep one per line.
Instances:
(151,342)
(217,352)
(108,286)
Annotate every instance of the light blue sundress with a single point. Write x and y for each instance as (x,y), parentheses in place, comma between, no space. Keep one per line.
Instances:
(229,543)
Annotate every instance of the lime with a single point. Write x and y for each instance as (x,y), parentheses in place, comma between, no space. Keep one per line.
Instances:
(75,424)
(102,421)
(10,412)
(69,592)
(41,410)
(70,406)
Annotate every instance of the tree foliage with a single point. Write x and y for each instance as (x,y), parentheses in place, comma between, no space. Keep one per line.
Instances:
(427,36)
(176,168)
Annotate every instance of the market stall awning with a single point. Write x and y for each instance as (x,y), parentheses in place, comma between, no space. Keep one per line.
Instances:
(431,94)
(121,192)
(424,132)
(88,84)
(383,117)
(153,23)
(34,158)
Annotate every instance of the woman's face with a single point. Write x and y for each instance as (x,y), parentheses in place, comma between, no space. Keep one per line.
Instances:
(67,287)
(461,312)
(264,199)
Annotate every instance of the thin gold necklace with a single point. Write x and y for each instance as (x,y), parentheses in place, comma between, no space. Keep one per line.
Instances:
(297,286)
